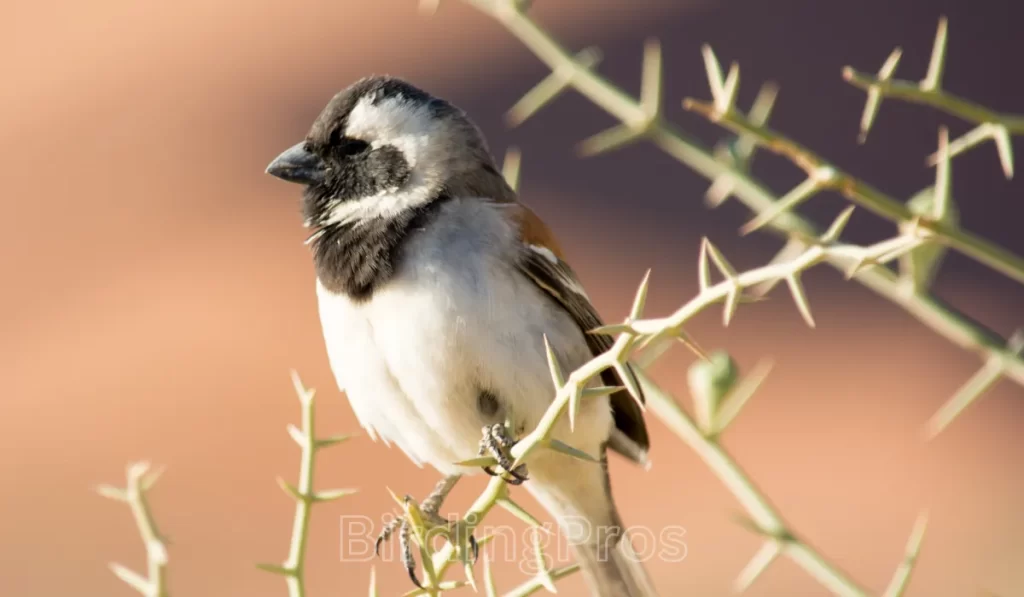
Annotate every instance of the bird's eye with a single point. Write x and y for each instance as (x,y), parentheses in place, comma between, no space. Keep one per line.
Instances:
(347,146)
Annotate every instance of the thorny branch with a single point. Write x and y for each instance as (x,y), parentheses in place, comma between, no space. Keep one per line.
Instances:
(729,174)
(139,481)
(293,569)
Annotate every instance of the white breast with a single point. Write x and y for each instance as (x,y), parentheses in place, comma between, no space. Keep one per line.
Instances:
(456,319)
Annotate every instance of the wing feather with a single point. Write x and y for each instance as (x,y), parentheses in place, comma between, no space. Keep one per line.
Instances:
(541,262)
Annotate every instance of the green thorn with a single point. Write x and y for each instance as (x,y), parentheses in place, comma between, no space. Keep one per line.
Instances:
(478,462)
(601,391)
(394,496)
(641,297)
(632,386)
(901,578)
(978,384)
(510,168)
(796,288)
(518,511)
(761,109)
(764,557)
(470,581)
(131,578)
(556,370)
(149,479)
(290,490)
(1001,136)
(703,270)
(305,394)
(549,88)
(874,99)
(297,435)
(651,79)
(615,137)
(732,303)
(714,71)
(838,225)
(941,192)
(729,89)
(612,329)
(723,265)
(332,494)
(112,493)
(719,190)
(333,440)
(937,63)
(276,569)
(798,194)
(568,450)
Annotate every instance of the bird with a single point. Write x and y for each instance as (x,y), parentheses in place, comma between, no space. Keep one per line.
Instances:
(439,295)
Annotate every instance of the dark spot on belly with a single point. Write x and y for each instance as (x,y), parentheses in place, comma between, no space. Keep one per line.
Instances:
(487,404)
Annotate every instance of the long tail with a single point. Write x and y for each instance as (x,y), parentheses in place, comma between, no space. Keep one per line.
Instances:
(615,571)
(579,496)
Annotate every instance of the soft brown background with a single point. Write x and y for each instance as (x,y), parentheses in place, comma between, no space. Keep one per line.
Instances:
(156,290)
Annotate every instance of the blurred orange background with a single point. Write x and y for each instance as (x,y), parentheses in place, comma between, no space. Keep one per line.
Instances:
(157,291)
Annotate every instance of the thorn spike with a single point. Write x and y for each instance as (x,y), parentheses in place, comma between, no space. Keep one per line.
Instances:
(729,89)
(838,225)
(937,63)
(641,297)
(723,265)
(941,195)
(797,195)
(714,71)
(651,81)
(556,370)
(510,167)
(703,271)
(609,139)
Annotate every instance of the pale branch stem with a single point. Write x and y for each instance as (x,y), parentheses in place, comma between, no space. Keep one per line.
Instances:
(849,254)
(930,311)
(139,481)
(912,91)
(767,520)
(969,244)
(293,569)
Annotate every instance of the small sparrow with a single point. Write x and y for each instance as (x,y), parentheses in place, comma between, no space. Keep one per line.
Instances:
(436,288)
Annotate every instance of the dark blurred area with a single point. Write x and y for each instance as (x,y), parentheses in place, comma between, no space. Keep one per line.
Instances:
(157,291)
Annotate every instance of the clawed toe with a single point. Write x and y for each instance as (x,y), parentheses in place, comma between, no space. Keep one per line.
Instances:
(497,444)
(431,517)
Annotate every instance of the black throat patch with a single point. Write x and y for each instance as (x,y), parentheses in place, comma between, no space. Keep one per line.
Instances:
(356,258)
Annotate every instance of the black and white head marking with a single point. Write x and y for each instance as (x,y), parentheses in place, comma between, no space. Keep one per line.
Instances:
(377,162)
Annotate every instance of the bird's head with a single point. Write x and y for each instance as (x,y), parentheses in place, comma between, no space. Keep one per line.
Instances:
(383,146)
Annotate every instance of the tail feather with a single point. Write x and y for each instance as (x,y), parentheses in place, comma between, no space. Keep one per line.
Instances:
(615,571)
(578,495)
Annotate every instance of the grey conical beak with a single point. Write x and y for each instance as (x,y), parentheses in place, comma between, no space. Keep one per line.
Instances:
(297,164)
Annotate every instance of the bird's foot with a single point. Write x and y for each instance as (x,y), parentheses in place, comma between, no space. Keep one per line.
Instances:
(497,444)
(433,524)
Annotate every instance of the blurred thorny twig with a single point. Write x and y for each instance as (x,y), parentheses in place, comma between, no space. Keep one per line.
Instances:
(139,481)
(728,168)
(293,569)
